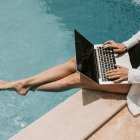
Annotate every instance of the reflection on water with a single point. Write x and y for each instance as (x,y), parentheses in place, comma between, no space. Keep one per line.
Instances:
(136,1)
(99,20)
(29,41)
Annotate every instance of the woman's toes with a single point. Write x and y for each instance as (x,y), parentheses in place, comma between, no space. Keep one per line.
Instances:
(18,86)
(3,82)
(22,91)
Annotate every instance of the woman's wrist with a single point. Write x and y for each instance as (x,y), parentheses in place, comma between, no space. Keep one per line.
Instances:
(124,49)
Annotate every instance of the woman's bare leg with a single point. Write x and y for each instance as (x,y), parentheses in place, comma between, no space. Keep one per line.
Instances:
(77,80)
(61,77)
(70,81)
(49,75)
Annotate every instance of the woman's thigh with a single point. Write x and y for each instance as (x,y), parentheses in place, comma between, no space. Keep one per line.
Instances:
(71,64)
(80,80)
(116,88)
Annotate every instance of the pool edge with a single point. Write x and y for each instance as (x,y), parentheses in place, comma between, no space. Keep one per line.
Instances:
(74,118)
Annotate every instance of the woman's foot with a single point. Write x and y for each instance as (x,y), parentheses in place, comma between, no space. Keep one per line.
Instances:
(19,86)
(3,82)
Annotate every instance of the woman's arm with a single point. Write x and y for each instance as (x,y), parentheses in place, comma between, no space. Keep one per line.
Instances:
(122,73)
(132,41)
(134,75)
(122,47)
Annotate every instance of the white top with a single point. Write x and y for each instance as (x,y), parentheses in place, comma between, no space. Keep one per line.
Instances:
(133,97)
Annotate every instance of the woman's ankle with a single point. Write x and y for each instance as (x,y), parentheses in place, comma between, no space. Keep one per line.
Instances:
(23,82)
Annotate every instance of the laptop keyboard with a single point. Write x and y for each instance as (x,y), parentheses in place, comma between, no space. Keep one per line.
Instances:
(106,61)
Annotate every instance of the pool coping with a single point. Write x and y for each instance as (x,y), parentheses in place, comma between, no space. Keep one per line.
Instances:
(76,118)
(124,124)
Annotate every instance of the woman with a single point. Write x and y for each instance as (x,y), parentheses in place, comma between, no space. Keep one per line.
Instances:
(65,76)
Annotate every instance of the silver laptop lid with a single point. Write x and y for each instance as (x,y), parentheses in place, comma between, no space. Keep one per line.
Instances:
(86,57)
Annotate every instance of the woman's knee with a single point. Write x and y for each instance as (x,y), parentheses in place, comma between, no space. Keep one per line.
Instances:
(71,65)
(73,80)
(72,61)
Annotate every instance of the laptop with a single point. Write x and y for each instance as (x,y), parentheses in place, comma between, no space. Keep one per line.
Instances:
(93,61)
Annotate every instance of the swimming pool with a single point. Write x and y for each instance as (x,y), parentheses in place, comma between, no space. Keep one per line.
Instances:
(38,34)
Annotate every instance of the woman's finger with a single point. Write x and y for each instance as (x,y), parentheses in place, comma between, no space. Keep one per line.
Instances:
(109,46)
(116,50)
(118,80)
(112,71)
(113,77)
(111,74)
(118,66)
(109,42)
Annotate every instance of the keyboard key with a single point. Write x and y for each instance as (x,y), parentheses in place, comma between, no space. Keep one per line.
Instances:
(106,60)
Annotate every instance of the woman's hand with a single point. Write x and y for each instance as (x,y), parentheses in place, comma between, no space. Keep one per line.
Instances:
(117,47)
(120,74)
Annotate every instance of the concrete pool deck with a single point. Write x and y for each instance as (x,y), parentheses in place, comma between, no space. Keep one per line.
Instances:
(123,126)
(76,118)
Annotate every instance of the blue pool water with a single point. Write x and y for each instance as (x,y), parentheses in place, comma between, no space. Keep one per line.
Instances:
(38,34)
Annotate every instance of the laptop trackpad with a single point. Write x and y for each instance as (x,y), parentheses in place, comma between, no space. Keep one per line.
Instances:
(123,60)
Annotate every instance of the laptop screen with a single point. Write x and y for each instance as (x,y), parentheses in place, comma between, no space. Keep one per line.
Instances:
(85,57)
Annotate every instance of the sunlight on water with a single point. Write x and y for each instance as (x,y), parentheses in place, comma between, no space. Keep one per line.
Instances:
(31,41)
(136,1)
